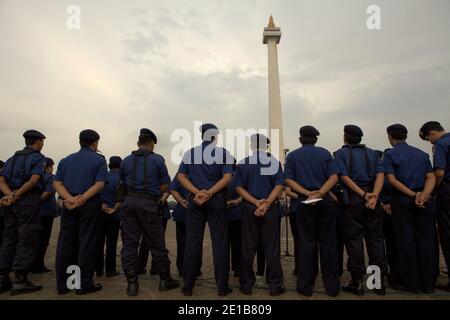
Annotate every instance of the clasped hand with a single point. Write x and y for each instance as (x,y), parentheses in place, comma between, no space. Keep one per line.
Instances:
(74,202)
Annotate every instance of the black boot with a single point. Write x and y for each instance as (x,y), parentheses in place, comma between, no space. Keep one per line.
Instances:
(356,287)
(382,290)
(133,284)
(168,284)
(5,281)
(23,285)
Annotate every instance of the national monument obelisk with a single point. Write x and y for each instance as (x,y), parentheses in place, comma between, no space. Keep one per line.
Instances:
(271,37)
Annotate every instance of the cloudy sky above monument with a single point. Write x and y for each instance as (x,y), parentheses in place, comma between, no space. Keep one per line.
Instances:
(165,64)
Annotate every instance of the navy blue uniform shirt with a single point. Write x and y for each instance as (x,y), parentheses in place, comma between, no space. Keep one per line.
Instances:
(310,166)
(441,159)
(109,192)
(408,164)
(361,169)
(206,164)
(179,213)
(81,170)
(259,174)
(49,207)
(157,174)
(17,173)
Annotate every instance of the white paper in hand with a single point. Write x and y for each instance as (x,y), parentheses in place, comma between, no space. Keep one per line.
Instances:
(311,201)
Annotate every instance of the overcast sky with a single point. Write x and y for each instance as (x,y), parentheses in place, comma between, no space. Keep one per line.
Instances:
(165,64)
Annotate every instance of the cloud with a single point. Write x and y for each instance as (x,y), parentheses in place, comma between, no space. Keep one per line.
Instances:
(165,64)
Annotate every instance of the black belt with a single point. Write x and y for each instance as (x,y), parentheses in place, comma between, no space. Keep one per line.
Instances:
(143,195)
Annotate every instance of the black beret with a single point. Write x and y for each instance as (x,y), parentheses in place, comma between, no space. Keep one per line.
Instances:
(309,131)
(148,133)
(260,139)
(209,127)
(115,161)
(427,127)
(89,136)
(353,130)
(33,134)
(396,128)
(49,162)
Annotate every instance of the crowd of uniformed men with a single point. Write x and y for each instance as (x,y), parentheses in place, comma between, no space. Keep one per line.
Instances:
(395,203)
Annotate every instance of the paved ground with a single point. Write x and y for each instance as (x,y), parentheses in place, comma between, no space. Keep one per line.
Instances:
(114,288)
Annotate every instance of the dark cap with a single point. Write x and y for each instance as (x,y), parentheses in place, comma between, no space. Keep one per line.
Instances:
(209,127)
(396,128)
(353,130)
(309,131)
(148,133)
(33,134)
(89,136)
(49,162)
(115,161)
(259,140)
(427,127)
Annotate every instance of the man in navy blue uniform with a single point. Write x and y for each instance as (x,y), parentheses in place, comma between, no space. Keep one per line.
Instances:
(311,172)
(435,133)
(179,217)
(259,181)
(143,179)
(21,183)
(144,248)
(48,213)
(362,173)
(411,177)
(109,225)
(79,180)
(205,172)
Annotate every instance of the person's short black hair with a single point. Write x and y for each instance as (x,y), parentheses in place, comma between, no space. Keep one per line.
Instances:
(399,135)
(308,140)
(2,164)
(30,141)
(145,139)
(85,144)
(351,139)
(434,126)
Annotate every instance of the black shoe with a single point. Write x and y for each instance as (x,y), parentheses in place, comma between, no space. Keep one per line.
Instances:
(63,292)
(223,293)
(112,274)
(133,284)
(333,294)
(444,287)
(91,289)
(407,289)
(245,291)
(356,287)
(382,290)
(168,284)
(23,285)
(305,294)
(186,292)
(5,282)
(277,292)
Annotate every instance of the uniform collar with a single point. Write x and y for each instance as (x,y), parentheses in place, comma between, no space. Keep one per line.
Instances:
(86,150)
(446,135)
(403,143)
